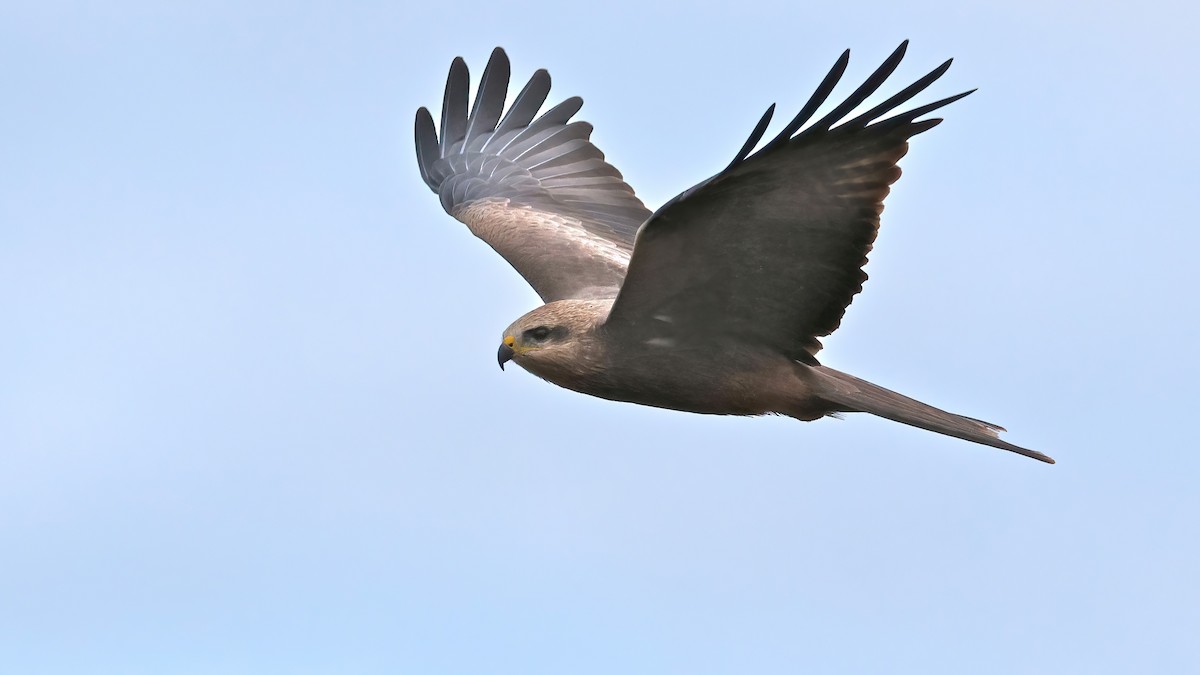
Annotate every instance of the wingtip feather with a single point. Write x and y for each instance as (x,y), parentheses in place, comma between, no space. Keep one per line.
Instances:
(755,137)
(454,104)
(425,136)
(489,98)
(818,98)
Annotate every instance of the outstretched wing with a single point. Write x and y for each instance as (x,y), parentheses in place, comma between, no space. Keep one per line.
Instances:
(536,190)
(771,249)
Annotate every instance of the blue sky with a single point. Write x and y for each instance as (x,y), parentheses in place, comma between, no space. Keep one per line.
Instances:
(251,420)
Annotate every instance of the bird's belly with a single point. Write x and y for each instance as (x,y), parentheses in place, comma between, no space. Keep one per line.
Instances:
(753,385)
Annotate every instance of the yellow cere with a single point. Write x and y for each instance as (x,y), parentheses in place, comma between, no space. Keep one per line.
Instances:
(509,340)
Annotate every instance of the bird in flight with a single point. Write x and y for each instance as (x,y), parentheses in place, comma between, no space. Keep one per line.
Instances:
(715,302)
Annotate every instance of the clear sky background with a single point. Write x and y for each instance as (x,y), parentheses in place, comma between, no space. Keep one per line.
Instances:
(251,420)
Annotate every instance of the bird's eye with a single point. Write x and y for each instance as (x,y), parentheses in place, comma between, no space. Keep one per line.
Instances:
(539,333)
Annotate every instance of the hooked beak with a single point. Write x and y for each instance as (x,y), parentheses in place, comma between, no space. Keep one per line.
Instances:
(506,352)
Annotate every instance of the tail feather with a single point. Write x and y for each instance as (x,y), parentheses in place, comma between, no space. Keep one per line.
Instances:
(850,394)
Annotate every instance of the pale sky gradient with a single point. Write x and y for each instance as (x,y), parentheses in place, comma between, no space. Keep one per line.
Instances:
(251,419)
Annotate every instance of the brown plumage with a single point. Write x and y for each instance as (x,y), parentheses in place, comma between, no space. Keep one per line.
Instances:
(716,302)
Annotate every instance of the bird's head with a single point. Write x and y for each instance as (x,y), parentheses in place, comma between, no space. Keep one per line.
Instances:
(555,340)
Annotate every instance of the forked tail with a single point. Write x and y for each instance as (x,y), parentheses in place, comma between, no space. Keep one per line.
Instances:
(851,394)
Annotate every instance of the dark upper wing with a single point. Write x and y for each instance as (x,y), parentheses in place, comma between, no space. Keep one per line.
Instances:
(536,190)
(771,249)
